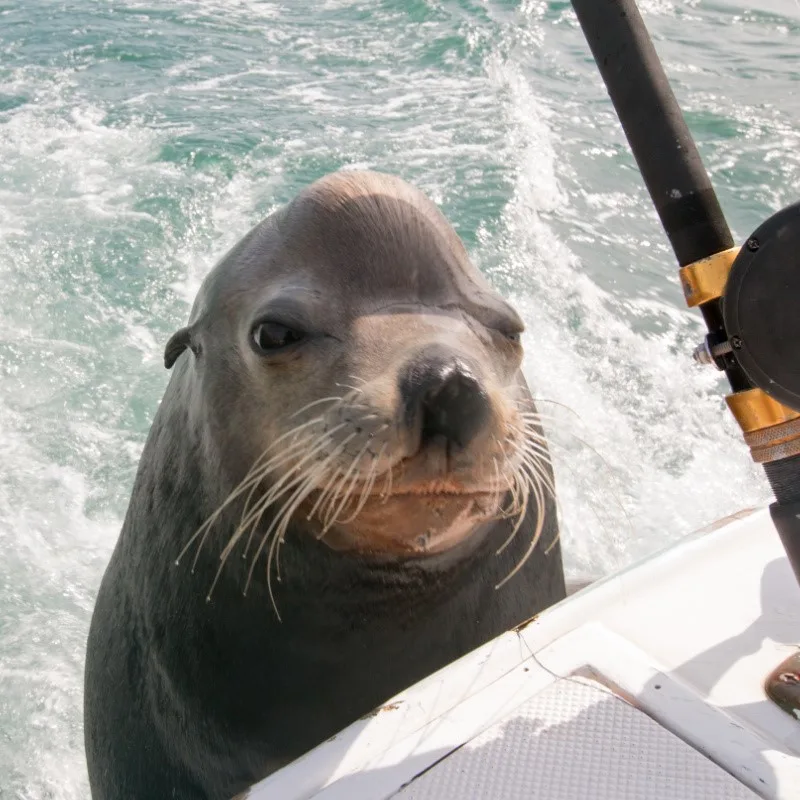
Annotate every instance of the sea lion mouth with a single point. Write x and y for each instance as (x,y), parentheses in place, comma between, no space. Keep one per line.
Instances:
(439,489)
(422,492)
(418,519)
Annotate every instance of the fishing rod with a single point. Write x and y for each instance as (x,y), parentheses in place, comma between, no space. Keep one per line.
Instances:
(747,295)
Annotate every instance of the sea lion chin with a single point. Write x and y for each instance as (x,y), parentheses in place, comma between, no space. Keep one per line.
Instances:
(345,466)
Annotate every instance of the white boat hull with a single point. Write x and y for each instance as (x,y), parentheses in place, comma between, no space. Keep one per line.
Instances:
(648,684)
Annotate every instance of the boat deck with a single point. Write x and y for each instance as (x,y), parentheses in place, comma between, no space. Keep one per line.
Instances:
(648,684)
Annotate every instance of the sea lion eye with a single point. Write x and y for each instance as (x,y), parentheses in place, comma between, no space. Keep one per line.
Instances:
(511,334)
(271,336)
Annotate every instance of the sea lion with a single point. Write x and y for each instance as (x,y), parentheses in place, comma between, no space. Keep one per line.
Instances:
(344,489)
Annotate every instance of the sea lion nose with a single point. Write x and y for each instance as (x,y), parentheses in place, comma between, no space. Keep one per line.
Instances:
(444,399)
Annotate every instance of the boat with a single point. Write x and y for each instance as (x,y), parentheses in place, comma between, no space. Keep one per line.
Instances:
(647,684)
(679,677)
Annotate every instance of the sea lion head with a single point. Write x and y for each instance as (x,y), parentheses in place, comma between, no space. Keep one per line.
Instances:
(359,378)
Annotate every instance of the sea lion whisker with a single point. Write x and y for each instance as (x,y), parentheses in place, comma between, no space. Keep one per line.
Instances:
(540,447)
(290,454)
(323,441)
(331,399)
(535,471)
(586,445)
(256,520)
(508,510)
(274,545)
(528,419)
(519,492)
(264,539)
(539,421)
(324,492)
(254,516)
(533,430)
(548,481)
(353,469)
(249,498)
(251,480)
(534,540)
(539,478)
(327,506)
(297,471)
(614,496)
(287,512)
(368,484)
(286,435)
(387,486)
(374,476)
(553,543)
(525,494)
(496,470)
(266,500)
(288,482)
(512,508)
(253,563)
(332,499)
(537,415)
(532,436)
(253,527)
(290,450)
(205,529)
(283,515)
(503,512)
(206,526)
(388,483)
(572,411)
(327,509)
(273,464)
(527,446)
(534,476)
(538,464)
(613,493)
(354,389)
(312,477)
(257,513)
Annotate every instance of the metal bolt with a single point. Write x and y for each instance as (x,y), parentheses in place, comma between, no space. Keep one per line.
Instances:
(753,245)
(736,342)
(702,355)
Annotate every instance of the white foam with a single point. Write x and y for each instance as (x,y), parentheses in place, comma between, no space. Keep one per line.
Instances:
(669,458)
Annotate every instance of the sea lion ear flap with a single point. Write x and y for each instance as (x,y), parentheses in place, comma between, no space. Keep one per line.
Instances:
(177,343)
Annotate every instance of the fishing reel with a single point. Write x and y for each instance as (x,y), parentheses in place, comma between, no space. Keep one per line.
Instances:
(761,305)
(758,287)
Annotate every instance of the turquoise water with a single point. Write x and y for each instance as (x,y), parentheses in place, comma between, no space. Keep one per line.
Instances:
(138,140)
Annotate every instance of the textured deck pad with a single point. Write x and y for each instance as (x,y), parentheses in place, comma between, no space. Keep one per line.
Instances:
(576,741)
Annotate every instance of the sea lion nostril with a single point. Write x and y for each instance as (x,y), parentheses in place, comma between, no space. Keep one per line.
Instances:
(447,400)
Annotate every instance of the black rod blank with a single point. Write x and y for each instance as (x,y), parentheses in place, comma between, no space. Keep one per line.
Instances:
(660,140)
(656,130)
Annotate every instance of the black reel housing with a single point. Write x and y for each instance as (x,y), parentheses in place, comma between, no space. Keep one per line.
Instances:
(761,307)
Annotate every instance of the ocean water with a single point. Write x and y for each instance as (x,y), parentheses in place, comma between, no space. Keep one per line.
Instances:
(140,138)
